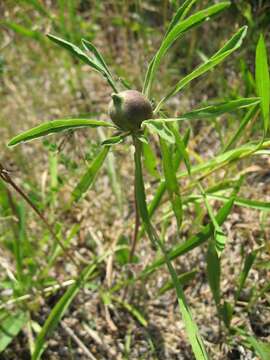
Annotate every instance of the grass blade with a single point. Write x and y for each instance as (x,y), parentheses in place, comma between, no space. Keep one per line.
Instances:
(179,28)
(55,126)
(22,30)
(230,46)
(246,119)
(249,260)
(239,201)
(89,177)
(213,271)
(261,348)
(262,81)
(219,236)
(59,310)
(10,327)
(183,278)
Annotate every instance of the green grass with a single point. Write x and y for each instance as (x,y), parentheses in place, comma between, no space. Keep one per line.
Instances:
(186,186)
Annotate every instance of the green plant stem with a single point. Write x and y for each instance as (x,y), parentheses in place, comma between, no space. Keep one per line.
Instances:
(136,228)
(191,328)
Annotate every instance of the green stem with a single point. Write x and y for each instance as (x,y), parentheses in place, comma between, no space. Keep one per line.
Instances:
(191,328)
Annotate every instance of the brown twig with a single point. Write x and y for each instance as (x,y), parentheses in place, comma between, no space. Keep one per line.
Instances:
(4,175)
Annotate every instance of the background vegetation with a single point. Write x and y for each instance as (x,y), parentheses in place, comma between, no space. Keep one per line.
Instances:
(117,308)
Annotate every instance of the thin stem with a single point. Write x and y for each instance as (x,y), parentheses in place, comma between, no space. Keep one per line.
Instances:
(5,176)
(136,228)
(191,327)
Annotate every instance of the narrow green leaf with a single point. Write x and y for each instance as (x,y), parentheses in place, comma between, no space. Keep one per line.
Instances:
(213,271)
(249,260)
(251,204)
(99,58)
(240,129)
(262,81)
(230,46)
(219,236)
(97,63)
(132,310)
(10,326)
(150,160)
(76,51)
(89,177)
(183,278)
(22,30)
(59,310)
(55,126)
(208,167)
(261,348)
(37,5)
(178,29)
(226,311)
(113,174)
(180,145)
(180,14)
(171,181)
(160,128)
(114,140)
(221,108)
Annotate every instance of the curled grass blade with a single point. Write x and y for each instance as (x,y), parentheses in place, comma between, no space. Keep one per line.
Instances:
(262,81)
(230,46)
(176,31)
(55,126)
(89,177)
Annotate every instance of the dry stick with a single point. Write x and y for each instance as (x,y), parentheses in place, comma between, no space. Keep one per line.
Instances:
(78,341)
(4,175)
(100,343)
